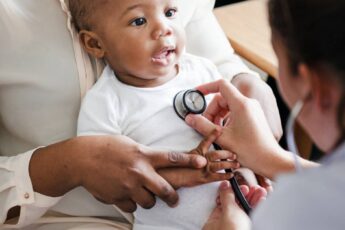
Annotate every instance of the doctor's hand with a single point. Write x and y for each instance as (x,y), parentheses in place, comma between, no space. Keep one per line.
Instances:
(227,215)
(253,87)
(246,131)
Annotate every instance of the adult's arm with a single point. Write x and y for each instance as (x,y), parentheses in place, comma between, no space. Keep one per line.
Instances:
(206,38)
(247,133)
(96,163)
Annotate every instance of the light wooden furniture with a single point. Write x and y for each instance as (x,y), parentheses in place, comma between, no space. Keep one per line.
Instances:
(246,26)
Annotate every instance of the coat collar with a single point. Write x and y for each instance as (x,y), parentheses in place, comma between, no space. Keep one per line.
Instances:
(337,155)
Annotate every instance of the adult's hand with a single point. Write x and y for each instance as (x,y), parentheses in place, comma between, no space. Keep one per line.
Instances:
(265,183)
(228,215)
(246,132)
(116,170)
(255,88)
(217,161)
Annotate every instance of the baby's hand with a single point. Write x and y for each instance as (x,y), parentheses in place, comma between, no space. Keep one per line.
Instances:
(187,177)
(217,159)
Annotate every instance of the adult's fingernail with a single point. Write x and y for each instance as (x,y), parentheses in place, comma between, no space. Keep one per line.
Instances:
(224,185)
(189,120)
(174,205)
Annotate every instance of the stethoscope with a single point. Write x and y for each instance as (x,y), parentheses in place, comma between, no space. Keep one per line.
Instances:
(193,102)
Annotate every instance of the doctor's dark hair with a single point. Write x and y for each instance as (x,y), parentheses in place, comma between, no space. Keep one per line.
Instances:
(313,33)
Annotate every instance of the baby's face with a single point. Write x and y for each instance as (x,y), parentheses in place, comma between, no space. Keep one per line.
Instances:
(142,39)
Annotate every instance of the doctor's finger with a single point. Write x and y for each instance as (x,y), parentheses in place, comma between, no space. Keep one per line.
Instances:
(265,183)
(220,155)
(206,143)
(258,194)
(161,188)
(200,124)
(217,108)
(227,90)
(220,165)
(244,189)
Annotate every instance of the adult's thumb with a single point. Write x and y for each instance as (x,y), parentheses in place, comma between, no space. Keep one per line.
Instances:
(227,196)
(200,124)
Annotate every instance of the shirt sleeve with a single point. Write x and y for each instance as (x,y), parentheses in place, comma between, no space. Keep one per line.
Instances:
(206,38)
(16,190)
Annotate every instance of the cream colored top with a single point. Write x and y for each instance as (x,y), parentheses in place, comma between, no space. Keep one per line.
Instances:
(41,85)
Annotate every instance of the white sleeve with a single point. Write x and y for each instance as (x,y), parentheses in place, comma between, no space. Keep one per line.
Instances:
(206,38)
(97,115)
(16,190)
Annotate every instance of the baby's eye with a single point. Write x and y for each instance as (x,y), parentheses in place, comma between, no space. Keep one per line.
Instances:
(171,13)
(138,22)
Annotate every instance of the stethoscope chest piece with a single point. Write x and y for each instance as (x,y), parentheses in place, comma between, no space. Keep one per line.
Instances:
(189,101)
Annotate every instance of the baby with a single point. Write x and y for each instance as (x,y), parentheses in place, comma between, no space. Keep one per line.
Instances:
(143,44)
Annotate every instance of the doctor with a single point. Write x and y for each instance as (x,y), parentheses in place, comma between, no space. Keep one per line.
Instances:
(308,37)
(48,178)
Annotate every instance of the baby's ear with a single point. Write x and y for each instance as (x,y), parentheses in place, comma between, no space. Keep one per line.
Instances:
(91,43)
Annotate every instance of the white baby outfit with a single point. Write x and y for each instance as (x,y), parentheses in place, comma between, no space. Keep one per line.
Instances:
(147,116)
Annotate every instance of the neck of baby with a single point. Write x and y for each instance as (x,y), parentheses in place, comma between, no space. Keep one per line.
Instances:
(147,82)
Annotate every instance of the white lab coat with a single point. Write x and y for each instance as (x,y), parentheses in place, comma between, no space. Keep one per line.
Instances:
(312,199)
(41,86)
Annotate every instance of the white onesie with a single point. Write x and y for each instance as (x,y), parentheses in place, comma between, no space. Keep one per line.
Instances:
(147,116)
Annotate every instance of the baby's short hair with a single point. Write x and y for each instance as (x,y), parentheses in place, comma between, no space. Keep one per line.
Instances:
(82,12)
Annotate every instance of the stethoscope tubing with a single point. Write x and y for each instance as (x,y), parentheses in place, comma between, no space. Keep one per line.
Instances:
(236,188)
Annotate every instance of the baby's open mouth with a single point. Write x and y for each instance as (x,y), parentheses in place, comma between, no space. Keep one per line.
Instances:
(163,56)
